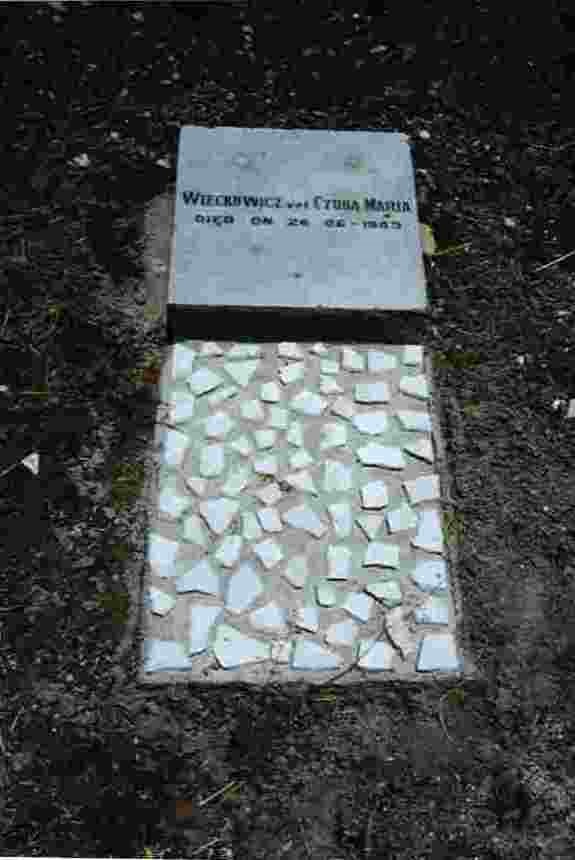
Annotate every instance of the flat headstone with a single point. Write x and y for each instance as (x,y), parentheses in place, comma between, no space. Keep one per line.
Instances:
(297,219)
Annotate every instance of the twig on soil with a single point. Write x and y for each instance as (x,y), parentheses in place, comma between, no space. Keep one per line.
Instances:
(5,323)
(217,793)
(554,262)
(305,842)
(206,845)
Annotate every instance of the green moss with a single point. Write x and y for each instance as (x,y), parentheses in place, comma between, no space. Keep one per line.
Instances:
(458,359)
(453,526)
(117,603)
(472,408)
(456,696)
(127,483)
(120,551)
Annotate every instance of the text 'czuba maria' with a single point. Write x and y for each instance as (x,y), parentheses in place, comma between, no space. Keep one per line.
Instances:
(368,204)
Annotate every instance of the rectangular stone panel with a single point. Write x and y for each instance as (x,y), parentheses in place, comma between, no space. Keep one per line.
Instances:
(300,219)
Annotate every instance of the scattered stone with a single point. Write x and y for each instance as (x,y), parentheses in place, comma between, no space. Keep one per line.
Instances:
(329,367)
(302,481)
(181,407)
(359,605)
(278,418)
(310,655)
(165,656)
(265,439)
(271,617)
(308,403)
(252,410)
(218,426)
(296,571)
(295,435)
(269,520)
(415,421)
(229,551)
(202,619)
(159,602)
(270,494)
(174,447)
(307,618)
(352,361)
(381,555)
(223,394)
(382,456)
(401,519)
(370,524)
(212,461)
(374,495)
(415,386)
(413,355)
(438,653)
(430,576)
(266,466)
(200,578)
(290,350)
(371,392)
(203,380)
(429,534)
(423,450)
(218,513)
(378,362)
(291,373)
(326,595)
(244,588)
(328,385)
(341,517)
(182,361)
(197,486)
(339,562)
(250,527)
(269,553)
(370,423)
(211,349)
(242,372)
(387,590)
(193,530)
(243,446)
(270,392)
(305,518)
(338,478)
(375,656)
(300,460)
(341,634)
(244,350)
(232,649)
(334,436)
(237,481)
(343,407)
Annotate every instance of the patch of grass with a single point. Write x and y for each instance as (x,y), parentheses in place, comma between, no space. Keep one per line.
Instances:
(117,603)
(453,526)
(456,696)
(457,359)
(120,551)
(472,408)
(127,483)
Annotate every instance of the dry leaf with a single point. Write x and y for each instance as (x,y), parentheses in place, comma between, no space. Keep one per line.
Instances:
(427,240)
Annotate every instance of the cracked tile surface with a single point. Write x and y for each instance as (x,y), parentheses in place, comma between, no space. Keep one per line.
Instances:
(296,522)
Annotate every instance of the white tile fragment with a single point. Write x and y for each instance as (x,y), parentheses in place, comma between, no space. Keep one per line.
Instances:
(307,618)
(359,605)
(252,410)
(243,446)
(237,481)
(172,505)
(265,439)
(371,392)
(266,466)
(339,560)
(174,446)
(270,392)
(370,524)
(413,355)
(233,650)
(222,394)
(162,554)
(201,619)
(269,553)
(193,530)
(159,602)
(386,590)
(201,577)
(341,634)
(381,455)
(210,348)
(269,617)
(300,460)
(218,426)
(270,494)
(329,367)
(328,385)
(218,513)
(430,576)
(302,481)
(374,495)
(269,520)
(212,461)
(295,434)
(341,517)
(338,477)
(376,656)
(381,555)
(310,655)
(333,436)
(287,349)
(278,418)
(250,527)
(197,486)
(415,386)
(291,373)
(432,612)
(351,360)
(244,350)
(203,380)
(401,519)
(242,372)
(438,653)
(420,421)
(308,403)
(296,571)
(423,489)
(281,651)
(229,551)
(423,450)
(429,535)
(244,587)
(181,407)
(326,595)
(370,423)
(343,407)
(302,517)
(318,348)
(182,361)
(164,655)
(378,362)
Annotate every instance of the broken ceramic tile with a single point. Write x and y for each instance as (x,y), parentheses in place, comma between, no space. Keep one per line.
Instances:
(371,392)
(265,439)
(329,367)
(182,361)
(370,524)
(308,403)
(252,410)
(269,553)
(378,362)
(32,463)
(233,650)
(302,517)
(270,392)
(164,656)
(212,461)
(278,418)
(318,348)
(302,481)
(423,489)
(210,348)
(341,517)
(420,421)
(243,446)
(269,520)
(307,618)
(413,355)
(374,495)
(218,426)
(338,478)
(326,595)
(201,619)
(250,527)
(341,634)
(423,450)
(244,350)
(244,587)
(386,590)
(375,656)
(300,460)
(438,653)
(203,380)
(401,519)
(359,605)
(181,407)
(242,372)
(270,617)
(237,481)
(162,554)
(328,385)
(343,407)
(339,560)
(218,513)
(415,386)
(295,434)
(296,571)
(193,530)
(290,350)
(266,466)
(430,576)
(310,655)
(174,446)
(229,551)
(370,423)
(351,360)
(159,602)
(291,373)
(202,578)
(381,455)
(270,494)
(429,534)
(381,555)
(333,436)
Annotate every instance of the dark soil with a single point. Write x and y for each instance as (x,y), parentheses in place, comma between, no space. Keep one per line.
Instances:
(91,764)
